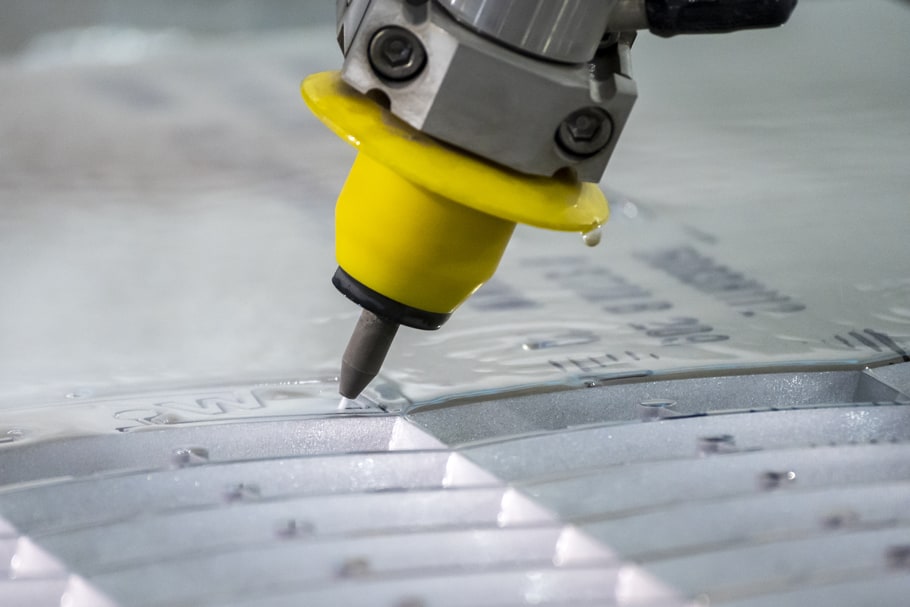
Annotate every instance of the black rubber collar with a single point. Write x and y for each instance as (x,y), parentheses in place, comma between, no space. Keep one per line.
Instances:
(381,305)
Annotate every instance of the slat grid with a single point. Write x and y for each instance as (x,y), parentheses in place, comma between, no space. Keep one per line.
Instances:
(748,504)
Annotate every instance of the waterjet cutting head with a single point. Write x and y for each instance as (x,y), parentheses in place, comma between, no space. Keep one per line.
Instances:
(471,117)
(420,226)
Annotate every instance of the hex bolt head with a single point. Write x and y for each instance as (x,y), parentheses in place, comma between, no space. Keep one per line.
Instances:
(396,54)
(583,127)
(585,131)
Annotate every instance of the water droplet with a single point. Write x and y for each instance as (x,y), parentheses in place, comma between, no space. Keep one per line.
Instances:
(630,209)
(242,491)
(32,560)
(79,393)
(898,557)
(166,419)
(840,519)
(292,528)
(189,456)
(592,237)
(354,567)
(774,480)
(712,445)
(656,408)
(11,435)
(657,403)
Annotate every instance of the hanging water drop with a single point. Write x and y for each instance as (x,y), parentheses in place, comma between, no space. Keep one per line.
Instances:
(592,237)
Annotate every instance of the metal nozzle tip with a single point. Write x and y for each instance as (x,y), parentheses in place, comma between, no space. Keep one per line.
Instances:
(366,351)
(352,381)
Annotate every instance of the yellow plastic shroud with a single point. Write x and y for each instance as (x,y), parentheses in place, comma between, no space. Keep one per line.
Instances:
(426,224)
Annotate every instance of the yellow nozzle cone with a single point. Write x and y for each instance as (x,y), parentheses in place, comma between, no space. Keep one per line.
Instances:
(410,244)
(425,224)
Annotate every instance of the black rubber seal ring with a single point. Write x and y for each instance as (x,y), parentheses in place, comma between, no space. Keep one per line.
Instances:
(380,305)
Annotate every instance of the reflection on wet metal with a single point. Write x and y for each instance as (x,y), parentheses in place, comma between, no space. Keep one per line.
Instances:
(190,456)
(717,444)
(898,557)
(841,519)
(655,408)
(354,567)
(797,443)
(775,480)
(593,237)
(242,492)
(293,528)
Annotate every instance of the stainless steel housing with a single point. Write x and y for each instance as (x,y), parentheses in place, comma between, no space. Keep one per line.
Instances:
(480,95)
(560,30)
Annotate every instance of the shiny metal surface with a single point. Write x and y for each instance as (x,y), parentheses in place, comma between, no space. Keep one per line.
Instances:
(348,15)
(627,15)
(473,92)
(557,30)
(633,494)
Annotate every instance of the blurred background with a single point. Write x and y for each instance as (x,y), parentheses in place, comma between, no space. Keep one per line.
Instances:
(23,21)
